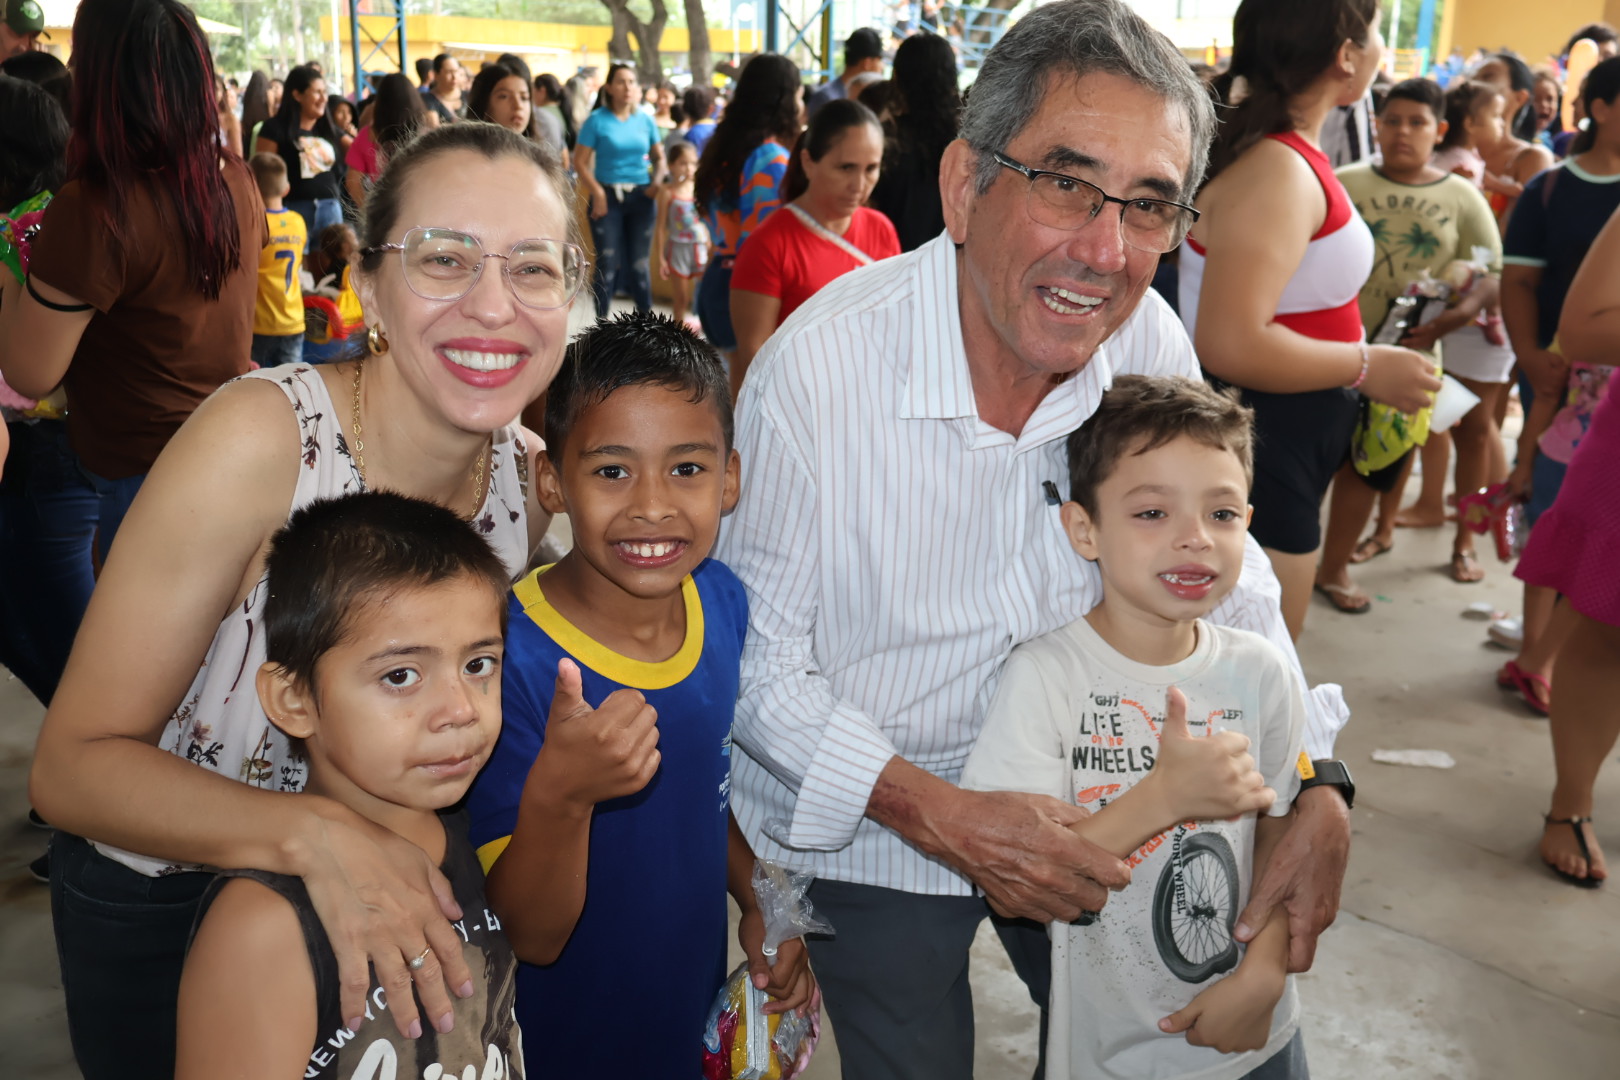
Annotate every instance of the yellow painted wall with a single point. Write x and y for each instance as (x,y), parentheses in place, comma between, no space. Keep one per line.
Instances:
(1534,30)
(558,48)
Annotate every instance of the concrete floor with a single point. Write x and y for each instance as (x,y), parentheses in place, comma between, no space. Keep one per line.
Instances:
(1455,955)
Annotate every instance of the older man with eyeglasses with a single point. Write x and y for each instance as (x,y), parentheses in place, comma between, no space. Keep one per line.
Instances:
(898,533)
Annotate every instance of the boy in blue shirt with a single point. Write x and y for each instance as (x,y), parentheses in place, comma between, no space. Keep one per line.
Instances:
(603,818)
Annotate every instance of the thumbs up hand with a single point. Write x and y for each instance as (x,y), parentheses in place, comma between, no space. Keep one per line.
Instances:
(590,754)
(1201,778)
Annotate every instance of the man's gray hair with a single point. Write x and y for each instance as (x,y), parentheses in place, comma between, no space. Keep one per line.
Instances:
(1076,38)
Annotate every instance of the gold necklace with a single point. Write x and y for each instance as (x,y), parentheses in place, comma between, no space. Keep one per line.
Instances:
(358,447)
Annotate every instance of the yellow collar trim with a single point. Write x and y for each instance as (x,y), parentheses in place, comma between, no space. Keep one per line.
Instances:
(628,671)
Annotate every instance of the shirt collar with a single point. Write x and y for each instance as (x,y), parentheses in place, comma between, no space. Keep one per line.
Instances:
(938,384)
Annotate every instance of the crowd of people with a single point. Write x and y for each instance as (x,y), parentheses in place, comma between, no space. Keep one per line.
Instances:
(952,550)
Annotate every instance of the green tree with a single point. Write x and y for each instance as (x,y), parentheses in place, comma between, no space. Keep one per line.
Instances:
(1422,243)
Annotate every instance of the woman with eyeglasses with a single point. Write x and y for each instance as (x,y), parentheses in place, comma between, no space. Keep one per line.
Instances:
(1271,273)
(826,231)
(155,746)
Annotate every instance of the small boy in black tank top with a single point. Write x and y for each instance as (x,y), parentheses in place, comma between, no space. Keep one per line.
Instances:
(384,634)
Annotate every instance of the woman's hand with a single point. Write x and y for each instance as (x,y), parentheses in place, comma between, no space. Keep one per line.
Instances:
(1400,378)
(380,899)
(599,204)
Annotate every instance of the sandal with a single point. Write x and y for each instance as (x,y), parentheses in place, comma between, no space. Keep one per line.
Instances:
(1370,549)
(1465,568)
(1575,823)
(1514,677)
(1344,599)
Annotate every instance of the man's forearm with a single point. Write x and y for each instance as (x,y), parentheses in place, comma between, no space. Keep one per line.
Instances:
(904,799)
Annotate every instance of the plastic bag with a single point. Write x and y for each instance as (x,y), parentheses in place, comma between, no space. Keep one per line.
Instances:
(1492,510)
(740,1042)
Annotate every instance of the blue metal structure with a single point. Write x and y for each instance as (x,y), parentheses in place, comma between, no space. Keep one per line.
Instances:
(392,41)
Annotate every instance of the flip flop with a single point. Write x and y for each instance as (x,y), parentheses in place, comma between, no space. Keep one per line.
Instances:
(1343,600)
(1514,677)
(1575,823)
(1370,549)
(1465,568)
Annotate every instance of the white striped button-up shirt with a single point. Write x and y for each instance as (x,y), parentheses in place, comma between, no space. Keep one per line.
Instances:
(895,547)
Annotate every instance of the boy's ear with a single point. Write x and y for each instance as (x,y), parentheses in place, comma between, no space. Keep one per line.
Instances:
(1082,531)
(1248,518)
(548,485)
(1440,129)
(728,497)
(287,705)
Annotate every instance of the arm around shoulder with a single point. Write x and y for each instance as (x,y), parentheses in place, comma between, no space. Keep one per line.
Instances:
(247,1007)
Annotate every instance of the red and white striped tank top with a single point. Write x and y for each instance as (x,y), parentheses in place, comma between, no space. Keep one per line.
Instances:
(1320,299)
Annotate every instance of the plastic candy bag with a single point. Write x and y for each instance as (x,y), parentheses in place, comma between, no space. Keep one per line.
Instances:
(740,1042)
(1492,510)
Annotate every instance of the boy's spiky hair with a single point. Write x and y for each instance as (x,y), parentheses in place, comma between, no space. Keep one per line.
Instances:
(634,349)
(1141,413)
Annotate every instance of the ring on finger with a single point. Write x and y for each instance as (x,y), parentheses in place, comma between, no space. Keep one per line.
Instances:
(418,962)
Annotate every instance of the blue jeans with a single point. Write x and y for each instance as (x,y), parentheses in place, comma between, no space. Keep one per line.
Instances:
(713,303)
(623,237)
(317,215)
(48,512)
(273,350)
(115,497)
(121,941)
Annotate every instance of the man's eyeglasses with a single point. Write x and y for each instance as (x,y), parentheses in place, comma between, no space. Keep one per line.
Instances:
(443,264)
(1061,201)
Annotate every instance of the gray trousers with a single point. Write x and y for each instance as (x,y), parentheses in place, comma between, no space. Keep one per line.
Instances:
(895,981)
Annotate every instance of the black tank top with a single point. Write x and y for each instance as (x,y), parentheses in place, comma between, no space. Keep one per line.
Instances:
(485,1038)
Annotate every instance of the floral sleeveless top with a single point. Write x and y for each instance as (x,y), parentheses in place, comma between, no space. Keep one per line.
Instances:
(220,725)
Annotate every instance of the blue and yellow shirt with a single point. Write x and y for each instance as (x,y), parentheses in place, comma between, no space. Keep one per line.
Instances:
(279,308)
(653,930)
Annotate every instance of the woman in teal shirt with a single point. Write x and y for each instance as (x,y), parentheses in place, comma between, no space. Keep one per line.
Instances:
(616,157)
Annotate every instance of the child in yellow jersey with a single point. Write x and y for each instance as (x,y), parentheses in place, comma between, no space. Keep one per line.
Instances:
(278,312)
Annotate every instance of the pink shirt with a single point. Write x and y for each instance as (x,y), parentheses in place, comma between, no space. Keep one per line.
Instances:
(363,154)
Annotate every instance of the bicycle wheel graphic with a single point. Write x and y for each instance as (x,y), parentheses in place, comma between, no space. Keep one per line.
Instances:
(1195,908)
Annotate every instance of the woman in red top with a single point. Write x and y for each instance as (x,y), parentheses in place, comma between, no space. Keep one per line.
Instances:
(826,232)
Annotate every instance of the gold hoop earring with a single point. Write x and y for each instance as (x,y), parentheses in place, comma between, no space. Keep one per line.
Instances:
(376,343)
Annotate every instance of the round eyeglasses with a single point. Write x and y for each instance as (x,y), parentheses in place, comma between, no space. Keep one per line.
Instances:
(443,264)
(1060,201)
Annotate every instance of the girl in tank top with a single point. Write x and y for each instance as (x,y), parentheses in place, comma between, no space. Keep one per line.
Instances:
(1272,270)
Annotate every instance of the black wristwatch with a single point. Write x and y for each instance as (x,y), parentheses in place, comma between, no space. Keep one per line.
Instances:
(1336,773)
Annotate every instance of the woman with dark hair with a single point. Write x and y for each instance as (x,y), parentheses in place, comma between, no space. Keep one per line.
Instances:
(47,505)
(548,116)
(143,276)
(501,95)
(926,105)
(826,231)
(618,160)
(151,747)
(396,114)
(1553,225)
(303,135)
(739,177)
(1271,273)
(139,302)
(255,107)
(1513,160)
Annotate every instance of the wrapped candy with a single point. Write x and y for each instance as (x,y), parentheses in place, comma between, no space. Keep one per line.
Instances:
(741,1042)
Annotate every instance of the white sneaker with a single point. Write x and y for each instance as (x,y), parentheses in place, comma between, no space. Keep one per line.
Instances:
(1508,633)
